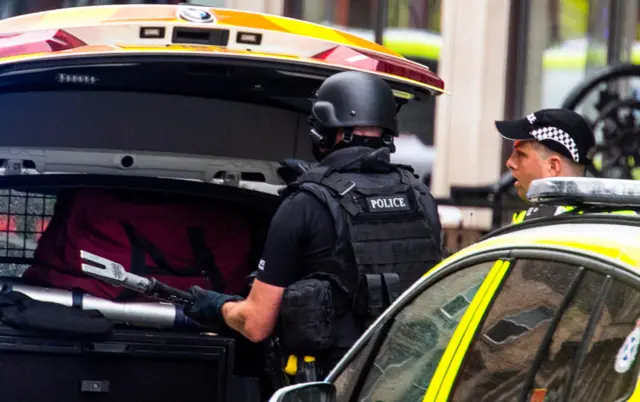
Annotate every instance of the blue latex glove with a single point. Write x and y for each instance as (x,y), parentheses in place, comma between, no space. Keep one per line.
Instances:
(207,306)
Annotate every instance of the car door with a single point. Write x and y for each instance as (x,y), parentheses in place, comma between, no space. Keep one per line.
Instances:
(399,361)
(543,326)
(561,328)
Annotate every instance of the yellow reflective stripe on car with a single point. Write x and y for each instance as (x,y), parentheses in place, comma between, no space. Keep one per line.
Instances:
(463,347)
(624,212)
(442,381)
(635,397)
(621,212)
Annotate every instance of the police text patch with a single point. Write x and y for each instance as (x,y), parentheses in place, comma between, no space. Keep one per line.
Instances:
(388,203)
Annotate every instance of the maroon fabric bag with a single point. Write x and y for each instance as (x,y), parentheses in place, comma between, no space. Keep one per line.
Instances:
(180,242)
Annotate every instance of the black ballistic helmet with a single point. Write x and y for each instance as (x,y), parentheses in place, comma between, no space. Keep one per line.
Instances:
(352,99)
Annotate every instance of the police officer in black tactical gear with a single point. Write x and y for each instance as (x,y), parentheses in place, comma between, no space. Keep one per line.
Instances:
(352,232)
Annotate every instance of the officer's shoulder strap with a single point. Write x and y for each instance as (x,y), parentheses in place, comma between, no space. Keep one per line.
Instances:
(313,175)
(313,182)
(340,185)
(407,171)
(409,178)
(329,178)
(322,182)
(327,183)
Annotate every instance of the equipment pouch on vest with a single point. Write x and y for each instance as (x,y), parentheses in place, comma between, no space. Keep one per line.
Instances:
(375,293)
(307,314)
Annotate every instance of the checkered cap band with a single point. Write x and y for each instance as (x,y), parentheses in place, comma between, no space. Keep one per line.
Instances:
(556,134)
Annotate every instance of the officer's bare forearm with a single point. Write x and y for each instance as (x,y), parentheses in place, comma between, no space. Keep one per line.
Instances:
(255,317)
(239,316)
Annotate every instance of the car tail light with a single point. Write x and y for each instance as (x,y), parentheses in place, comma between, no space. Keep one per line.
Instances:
(45,41)
(8,223)
(41,225)
(362,59)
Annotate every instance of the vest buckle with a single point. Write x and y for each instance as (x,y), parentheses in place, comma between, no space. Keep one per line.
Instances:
(351,186)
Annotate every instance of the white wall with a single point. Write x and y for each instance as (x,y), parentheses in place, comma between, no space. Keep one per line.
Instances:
(210,3)
(261,6)
(473,67)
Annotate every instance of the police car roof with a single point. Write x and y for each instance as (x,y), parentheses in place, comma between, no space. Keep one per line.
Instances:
(613,237)
(585,191)
(594,200)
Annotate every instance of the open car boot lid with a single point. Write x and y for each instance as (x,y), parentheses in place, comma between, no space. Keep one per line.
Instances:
(186,92)
(163,98)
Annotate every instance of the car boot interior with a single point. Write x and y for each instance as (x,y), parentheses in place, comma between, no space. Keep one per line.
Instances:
(28,205)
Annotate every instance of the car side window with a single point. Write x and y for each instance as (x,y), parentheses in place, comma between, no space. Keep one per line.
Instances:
(347,380)
(417,337)
(503,351)
(594,346)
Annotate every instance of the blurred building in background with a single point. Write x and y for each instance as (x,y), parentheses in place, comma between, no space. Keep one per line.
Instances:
(498,58)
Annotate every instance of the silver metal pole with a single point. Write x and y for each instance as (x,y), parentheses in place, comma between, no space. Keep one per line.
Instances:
(146,314)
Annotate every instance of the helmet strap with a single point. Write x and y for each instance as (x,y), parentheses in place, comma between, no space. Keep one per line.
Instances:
(352,140)
(388,139)
(347,135)
(324,140)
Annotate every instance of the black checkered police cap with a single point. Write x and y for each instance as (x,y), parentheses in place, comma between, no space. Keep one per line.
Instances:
(561,130)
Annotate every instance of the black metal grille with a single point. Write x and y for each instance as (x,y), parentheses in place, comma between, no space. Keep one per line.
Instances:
(23,219)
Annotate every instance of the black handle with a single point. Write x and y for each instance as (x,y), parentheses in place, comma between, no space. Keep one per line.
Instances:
(163,291)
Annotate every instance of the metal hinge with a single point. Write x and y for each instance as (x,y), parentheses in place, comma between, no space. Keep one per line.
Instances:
(231,179)
(13,167)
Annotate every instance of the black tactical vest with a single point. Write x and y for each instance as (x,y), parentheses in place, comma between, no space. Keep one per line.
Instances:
(384,239)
